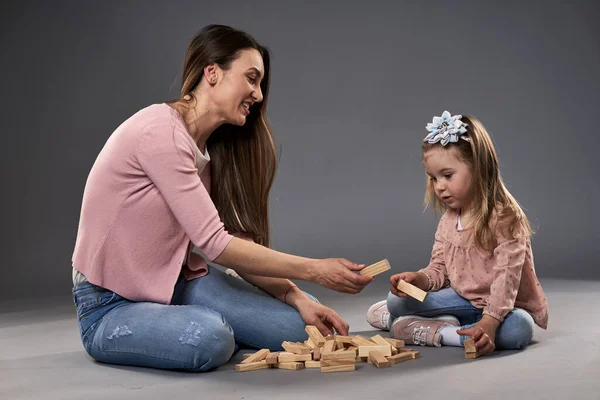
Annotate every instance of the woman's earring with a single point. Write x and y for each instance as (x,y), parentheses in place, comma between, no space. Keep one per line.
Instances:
(212,79)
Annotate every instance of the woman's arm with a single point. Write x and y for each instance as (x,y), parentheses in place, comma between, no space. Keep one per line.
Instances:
(282,289)
(246,257)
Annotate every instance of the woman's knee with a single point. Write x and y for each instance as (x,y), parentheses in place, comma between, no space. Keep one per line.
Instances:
(208,343)
(516,332)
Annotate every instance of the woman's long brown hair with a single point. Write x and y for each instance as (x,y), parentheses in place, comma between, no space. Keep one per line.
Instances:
(243,158)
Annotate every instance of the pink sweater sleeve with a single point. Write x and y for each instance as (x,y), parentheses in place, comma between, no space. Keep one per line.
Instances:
(167,156)
(510,257)
(436,270)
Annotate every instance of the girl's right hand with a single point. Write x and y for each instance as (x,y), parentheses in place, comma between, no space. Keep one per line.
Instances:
(340,275)
(418,279)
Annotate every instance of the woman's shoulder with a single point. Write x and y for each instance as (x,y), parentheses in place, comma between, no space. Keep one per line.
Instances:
(156,115)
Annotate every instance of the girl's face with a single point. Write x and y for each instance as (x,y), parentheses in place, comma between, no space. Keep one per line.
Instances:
(450,176)
(238,88)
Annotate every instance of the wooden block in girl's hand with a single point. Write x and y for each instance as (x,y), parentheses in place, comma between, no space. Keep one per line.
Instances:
(470,349)
(376,268)
(315,335)
(411,290)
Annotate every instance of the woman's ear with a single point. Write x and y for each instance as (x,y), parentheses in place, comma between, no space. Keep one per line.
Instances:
(211,73)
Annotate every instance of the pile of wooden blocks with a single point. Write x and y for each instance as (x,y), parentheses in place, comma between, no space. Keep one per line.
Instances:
(332,354)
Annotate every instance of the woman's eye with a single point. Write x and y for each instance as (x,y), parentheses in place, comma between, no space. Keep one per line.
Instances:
(252,80)
(448,176)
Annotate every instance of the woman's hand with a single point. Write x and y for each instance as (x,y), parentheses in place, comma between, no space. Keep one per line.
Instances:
(483,333)
(417,279)
(324,318)
(340,275)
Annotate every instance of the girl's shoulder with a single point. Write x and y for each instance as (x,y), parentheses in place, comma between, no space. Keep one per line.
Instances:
(507,224)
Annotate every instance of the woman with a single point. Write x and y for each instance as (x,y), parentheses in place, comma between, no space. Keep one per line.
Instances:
(196,171)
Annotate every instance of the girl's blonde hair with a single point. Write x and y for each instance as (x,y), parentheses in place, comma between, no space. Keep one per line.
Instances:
(487,188)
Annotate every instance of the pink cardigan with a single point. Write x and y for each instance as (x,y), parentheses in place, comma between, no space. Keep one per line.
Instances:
(143,203)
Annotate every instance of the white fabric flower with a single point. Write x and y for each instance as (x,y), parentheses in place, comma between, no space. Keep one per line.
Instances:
(446,129)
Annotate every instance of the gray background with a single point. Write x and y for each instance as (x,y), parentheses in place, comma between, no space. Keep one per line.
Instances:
(353,86)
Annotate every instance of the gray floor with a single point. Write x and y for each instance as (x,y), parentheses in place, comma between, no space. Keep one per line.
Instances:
(41,357)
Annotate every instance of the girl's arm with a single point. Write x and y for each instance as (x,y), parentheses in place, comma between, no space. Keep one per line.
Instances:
(510,256)
(436,270)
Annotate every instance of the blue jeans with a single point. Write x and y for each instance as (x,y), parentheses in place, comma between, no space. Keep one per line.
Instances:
(514,333)
(207,320)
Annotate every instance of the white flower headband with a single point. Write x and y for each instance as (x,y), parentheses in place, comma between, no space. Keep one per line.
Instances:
(446,129)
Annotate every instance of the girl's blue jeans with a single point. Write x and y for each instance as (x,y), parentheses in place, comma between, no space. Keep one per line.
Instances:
(208,319)
(514,333)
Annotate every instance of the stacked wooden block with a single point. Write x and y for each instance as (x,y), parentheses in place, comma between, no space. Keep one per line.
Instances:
(332,354)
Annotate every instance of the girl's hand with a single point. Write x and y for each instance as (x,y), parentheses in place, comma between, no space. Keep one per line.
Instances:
(418,279)
(340,275)
(483,333)
(324,318)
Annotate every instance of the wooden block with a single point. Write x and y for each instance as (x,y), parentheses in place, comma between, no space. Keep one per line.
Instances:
(377,268)
(328,347)
(317,353)
(363,351)
(258,356)
(294,366)
(273,358)
(253,366)
(338,366)
(315,335)
(411,290)
(378,339)
(285,357)
(361,341)
(397,343)
(296,348)
(312,364)
(339,355)
(378,359)
(470,349)
(344,340)
(308,342)
(398,358)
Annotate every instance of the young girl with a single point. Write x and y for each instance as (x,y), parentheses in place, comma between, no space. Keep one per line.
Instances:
(481,279)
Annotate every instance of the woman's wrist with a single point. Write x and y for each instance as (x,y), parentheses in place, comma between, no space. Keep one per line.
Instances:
(294,296)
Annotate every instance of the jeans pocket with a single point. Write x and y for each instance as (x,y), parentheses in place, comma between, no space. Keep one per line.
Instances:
(89,298)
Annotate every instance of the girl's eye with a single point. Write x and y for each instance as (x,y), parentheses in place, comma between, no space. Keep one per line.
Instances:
(448,176)
(432,179)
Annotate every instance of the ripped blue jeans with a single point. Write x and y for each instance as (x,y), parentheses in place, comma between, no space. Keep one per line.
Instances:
(208,319)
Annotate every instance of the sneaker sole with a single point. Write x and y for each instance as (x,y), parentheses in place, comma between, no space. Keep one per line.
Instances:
(447,318)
